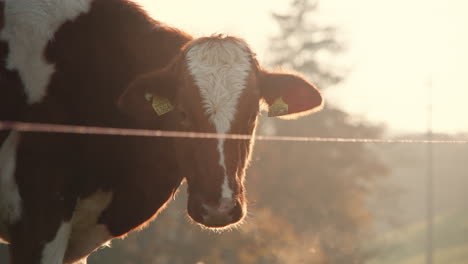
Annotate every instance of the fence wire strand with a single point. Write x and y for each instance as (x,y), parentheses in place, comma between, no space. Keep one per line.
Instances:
(92,130)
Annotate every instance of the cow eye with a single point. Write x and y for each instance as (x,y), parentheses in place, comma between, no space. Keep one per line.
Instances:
(184,120)
(183,115)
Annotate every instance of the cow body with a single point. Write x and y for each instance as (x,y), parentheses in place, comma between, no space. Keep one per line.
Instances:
(91,60)
(72,62)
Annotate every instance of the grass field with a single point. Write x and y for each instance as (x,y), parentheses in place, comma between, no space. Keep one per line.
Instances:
(407,245)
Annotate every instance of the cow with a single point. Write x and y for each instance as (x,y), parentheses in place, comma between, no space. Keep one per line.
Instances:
(107,63)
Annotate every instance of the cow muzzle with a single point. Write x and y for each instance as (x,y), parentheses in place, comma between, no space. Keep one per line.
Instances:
(216,215)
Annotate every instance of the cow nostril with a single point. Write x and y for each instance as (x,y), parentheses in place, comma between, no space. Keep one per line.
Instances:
(226,205)
(223,208)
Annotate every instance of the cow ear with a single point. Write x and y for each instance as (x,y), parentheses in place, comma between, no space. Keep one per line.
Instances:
(289,95)
(149,95)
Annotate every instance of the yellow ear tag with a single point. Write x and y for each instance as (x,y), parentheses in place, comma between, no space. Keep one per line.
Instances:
(278,108)
(161,105)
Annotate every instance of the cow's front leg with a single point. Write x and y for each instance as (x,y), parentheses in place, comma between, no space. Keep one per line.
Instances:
(40,246)
(39,238)
(53,251)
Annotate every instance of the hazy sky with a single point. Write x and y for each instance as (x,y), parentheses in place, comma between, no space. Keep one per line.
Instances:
(393,49)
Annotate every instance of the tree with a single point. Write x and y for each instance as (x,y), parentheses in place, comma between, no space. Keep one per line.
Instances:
(302,43)
(320,188)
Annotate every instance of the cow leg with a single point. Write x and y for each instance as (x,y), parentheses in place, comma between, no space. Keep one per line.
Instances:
(10,200)
(39,246)
(42,233)
(54,251)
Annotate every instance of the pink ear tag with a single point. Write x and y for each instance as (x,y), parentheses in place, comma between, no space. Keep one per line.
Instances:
(278,108)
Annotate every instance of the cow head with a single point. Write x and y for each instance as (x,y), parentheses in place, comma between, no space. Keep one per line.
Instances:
(216,85)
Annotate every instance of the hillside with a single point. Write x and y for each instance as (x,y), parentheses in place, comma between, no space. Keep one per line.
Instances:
(399,203)
(407,245)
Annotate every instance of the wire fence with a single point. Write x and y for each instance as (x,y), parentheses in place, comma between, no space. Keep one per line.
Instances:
(93,130)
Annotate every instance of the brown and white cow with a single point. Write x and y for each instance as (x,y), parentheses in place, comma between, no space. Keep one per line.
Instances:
(106,63)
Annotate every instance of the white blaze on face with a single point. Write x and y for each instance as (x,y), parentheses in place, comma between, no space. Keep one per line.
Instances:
(220,68)
(29,26)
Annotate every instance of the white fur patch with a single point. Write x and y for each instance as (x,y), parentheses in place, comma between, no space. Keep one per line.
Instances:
(86,234)
(29,26)
(220,68)
(10,200)
(226,191)
(54,251)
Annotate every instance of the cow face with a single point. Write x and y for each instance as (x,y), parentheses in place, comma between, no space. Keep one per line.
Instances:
(216,85)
